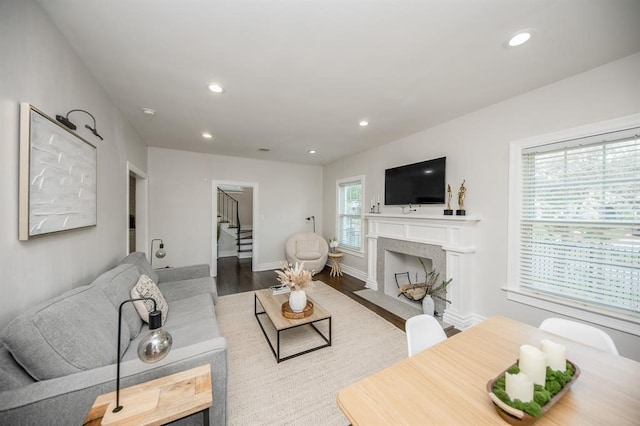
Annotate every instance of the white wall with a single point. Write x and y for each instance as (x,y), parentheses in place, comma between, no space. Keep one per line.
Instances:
(180,191)
(476,147)
(39,67)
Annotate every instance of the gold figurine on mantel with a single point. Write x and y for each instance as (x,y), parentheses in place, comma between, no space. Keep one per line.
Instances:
(461,193)
(448,211)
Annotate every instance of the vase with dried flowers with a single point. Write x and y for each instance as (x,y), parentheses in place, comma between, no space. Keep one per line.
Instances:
(297,279)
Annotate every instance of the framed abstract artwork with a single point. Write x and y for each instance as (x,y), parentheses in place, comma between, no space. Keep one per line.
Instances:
(58,177)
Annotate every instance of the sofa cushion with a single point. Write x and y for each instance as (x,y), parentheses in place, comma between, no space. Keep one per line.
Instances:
(74,332)
(12,375)
(116,284)
(184,289)
(190,311)
(147,288)
(192,320)
(140,260)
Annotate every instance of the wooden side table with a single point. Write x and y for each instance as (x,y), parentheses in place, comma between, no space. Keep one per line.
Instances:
(157,402)
(335,264)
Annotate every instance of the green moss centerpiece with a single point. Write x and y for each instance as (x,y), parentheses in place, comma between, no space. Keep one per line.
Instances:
(516,412)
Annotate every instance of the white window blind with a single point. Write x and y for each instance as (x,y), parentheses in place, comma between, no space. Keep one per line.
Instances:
(350,221)
(580,220)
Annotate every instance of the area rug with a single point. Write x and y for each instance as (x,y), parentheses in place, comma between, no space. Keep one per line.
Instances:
(401,309)
(302,390)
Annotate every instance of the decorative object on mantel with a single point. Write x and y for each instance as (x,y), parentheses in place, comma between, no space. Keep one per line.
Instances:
(461,193)
(521,399)
(425,291)
(58,179)
(448,211)
(296,278)
(375,205)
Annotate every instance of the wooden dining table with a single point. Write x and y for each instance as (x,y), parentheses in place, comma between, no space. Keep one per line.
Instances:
(446,384)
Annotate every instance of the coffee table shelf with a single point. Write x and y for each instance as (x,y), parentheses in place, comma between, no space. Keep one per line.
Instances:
(272,308)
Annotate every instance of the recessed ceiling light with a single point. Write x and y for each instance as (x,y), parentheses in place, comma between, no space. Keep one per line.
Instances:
(207,135)
(312,151)
(363,123)
(519,38)
(216,88)
(149,111)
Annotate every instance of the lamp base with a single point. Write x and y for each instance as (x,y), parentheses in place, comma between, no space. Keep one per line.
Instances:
(132,405)
(448,212)
(461,212)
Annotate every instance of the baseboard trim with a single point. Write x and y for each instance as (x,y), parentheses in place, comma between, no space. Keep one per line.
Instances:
(355,273)
(461,322)
(268,266)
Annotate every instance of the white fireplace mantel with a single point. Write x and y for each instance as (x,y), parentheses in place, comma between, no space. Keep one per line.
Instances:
(456,236)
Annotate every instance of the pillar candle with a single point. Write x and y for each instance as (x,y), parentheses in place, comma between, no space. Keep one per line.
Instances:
(533,363)
(519,386)
(555,352)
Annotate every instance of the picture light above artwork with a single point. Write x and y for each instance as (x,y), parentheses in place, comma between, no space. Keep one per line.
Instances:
(65,120)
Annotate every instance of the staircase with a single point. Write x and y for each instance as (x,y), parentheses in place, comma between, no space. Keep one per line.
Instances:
(229,222)
(245,242)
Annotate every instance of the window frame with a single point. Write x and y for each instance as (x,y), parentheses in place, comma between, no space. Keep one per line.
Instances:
(581,310)
(359,252)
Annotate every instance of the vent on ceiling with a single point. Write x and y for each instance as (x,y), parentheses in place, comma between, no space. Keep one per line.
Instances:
(264,149)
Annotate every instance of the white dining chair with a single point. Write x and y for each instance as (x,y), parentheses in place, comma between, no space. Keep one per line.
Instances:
(580,332)
(423,331)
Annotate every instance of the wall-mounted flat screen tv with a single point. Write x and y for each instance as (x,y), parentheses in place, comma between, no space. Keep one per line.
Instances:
(418,183)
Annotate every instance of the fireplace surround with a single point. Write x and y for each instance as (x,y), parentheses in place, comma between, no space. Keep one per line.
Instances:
(448,241)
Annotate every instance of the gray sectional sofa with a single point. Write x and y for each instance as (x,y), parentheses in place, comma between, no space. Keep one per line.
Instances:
(57,357)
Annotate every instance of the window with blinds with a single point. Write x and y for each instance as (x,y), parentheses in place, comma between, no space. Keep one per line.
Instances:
(580,220)
(349,215)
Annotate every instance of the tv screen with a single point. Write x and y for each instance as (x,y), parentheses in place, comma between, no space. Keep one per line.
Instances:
(418,183)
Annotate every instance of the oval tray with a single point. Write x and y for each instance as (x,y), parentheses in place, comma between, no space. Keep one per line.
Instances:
(514,416)
(288,313)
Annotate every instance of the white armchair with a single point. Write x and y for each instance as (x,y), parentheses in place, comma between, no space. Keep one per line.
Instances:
(307,247)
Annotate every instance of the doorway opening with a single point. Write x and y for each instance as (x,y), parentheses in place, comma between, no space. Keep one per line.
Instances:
(235,205)
(137,209)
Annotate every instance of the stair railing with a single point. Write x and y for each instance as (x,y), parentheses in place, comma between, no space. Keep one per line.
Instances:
(228,210)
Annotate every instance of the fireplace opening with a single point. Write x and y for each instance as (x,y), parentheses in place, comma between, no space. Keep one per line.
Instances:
(412,261)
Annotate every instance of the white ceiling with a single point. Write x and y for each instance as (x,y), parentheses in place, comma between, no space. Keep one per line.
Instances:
(301,74)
